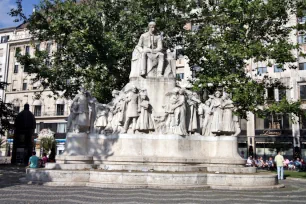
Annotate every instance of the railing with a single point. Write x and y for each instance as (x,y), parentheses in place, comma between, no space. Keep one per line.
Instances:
(52,113)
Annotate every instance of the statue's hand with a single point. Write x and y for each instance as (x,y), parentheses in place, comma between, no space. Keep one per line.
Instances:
(147,50)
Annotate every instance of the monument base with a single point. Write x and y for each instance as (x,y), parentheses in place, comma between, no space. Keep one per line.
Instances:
(153,160)
(165,180)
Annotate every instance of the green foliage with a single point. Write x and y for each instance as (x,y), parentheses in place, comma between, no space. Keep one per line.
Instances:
(96,39)
(7,113)
(231,33)
(48,143)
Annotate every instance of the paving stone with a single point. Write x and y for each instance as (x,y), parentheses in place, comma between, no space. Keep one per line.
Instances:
(13,191)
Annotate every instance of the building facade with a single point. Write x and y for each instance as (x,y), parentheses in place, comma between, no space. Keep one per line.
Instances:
(281,131)
(50,111)
(5,35)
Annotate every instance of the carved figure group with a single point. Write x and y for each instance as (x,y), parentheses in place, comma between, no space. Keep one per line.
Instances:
(130,110)
(186,114)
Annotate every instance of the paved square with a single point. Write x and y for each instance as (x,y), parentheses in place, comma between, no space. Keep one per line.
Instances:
(13,191)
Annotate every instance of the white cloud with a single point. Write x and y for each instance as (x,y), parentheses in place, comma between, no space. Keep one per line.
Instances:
(5,19)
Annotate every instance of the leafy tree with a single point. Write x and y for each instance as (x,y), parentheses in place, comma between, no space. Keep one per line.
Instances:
(232,32)
(95,40)
(7,113)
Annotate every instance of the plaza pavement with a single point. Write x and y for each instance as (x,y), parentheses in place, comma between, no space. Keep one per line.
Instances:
(13,191)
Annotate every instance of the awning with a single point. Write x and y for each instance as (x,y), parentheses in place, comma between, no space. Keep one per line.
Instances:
(37,103)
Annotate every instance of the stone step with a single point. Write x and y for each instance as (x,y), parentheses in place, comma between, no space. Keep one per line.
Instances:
(177,180)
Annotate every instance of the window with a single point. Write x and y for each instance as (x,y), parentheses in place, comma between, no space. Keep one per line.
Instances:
(303,120)
(1,52)
(26,68)
(4,39)
(259,123)
(302,39)
(16,109)
(24,85)
(37,130)
(37,110)
(48,48)
(281,94)
(303,18)
(180,76)
(27,50)
(270,92)
(262,70)
(302,66)
(37,47)
(15,69)
(59,46)
(14,87)
(61,127)
(195,27)
(0,77)
(17,51)
(303,92)
(51,126)
(47,63)
(60,108)
(278,68)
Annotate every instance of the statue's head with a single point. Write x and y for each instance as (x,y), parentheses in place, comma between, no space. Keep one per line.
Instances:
(115,93)
(134,89)
(151,26)
(225,96)
(207,102)
(82,90)
(26,106)
(218,94)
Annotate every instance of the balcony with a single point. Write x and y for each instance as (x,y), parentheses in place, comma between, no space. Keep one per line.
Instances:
(52,114)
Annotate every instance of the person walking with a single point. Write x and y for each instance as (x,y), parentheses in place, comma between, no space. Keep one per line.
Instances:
(279,159)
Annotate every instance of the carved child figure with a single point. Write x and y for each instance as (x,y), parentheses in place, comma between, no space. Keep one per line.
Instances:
(132,109)
(145,122)
(102,116)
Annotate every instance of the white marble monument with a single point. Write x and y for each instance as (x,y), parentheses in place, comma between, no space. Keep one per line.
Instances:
(150,130)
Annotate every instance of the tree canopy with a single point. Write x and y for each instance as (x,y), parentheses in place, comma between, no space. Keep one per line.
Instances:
(95,40)
(7,113)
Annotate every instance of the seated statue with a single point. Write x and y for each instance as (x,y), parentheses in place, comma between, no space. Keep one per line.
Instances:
(148,54)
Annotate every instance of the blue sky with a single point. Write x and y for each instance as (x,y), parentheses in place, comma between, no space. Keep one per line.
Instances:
(5,7)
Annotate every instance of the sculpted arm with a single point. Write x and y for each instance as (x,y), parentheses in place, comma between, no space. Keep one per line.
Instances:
(159,45)
(139,46)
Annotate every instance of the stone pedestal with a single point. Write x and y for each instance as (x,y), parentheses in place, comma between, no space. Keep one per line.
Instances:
(156,90)
(76,152)
(151,160)
(76,144)
(158,149)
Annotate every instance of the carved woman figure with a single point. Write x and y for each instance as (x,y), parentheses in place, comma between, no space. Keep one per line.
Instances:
(180,113)
(216,109)
(193,102)
(115,111)
(145,122)
(206,125)
(176,110)
(228,120)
